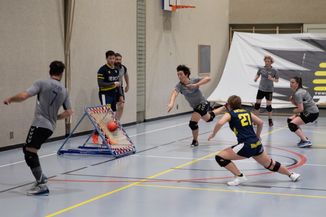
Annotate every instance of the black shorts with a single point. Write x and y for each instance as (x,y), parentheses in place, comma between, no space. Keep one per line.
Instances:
(248,149)
(109,98)
(37,136)
(120,93)
(308,117)
(262,94)
(202,108)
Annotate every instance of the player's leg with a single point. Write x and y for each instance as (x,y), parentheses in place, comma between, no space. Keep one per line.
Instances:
(193,124)
(35,138)
(266,161)
(224,159)
(269,97)
(294,126)
(259,97)
(120,106)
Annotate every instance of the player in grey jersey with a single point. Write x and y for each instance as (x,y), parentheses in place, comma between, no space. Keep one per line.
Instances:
(189,87)
(268,75)
(306,111)
(51,95)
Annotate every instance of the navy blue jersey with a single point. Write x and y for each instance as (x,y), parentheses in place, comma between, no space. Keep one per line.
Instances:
(109,76)
(241,125)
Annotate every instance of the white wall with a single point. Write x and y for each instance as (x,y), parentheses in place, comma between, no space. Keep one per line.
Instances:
(31,36)
(173,39)
(100,26)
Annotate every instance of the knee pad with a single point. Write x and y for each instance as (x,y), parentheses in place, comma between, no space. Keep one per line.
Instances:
(221,161)
(193,125)
(269,108)
(293,127)
(212,116)
(289,120)
(276,166)
(31,158)
(257,106)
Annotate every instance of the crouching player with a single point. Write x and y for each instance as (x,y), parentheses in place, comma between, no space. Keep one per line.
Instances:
(249,144)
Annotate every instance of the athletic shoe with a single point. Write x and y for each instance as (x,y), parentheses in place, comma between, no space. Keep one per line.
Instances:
(39,190)
(194,143)
(304,144)
(238,180)
(301,141)
(294,177)
(270,122)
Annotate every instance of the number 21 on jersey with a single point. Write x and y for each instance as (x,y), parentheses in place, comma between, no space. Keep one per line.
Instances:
(245,119)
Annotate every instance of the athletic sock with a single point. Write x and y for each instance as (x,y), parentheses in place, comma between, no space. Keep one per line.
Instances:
(37,172)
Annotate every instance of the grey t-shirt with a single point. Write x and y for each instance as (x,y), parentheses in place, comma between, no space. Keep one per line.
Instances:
(51,95)
(265,84)
(302,96)
(122,72)
(193,96)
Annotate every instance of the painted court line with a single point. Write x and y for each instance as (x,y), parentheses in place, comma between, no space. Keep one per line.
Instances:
(127,186)
(234,191)
(139,182)
(55,153)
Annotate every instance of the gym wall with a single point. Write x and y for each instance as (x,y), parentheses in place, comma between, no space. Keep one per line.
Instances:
(173,39)
(281,11)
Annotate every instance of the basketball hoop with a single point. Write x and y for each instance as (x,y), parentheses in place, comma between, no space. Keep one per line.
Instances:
(175,7)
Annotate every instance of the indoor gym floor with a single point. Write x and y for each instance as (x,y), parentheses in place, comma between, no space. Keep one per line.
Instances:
(168,178)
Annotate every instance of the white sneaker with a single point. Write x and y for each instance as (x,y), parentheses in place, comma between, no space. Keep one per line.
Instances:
(237,181)
(294,177)
(40,189)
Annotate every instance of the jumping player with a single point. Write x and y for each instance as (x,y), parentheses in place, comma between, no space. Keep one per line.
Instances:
(249,144)
(306,111)
(51,95)
(189,87)
(269,75)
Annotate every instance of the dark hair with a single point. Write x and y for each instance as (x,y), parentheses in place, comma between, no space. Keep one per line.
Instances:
(185,70)
(56,68)
(298,80)
(118,55)
(234,102)
(109,53)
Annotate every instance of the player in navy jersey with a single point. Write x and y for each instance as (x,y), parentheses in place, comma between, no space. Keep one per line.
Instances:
(51,95)
(249,144)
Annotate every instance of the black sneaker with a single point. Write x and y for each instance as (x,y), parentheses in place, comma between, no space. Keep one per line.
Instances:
(194,143)
(39,190)
(270,122)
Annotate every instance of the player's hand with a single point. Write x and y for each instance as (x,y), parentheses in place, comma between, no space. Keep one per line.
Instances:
(6,101)
(255,80)
(170,106)
(126,88)
(117,84)
(192,86)
(270,78)
(211,136)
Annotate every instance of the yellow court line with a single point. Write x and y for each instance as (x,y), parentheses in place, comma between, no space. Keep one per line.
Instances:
(139,182)
(127,186)
(233,191)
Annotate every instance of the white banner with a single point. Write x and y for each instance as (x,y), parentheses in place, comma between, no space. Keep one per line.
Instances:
(301,55)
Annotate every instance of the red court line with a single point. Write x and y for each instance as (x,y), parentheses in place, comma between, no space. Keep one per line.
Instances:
(302,161)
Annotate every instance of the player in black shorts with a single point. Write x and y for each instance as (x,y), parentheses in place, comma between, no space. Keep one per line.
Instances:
(249,144)
(268,75)
(51,95)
